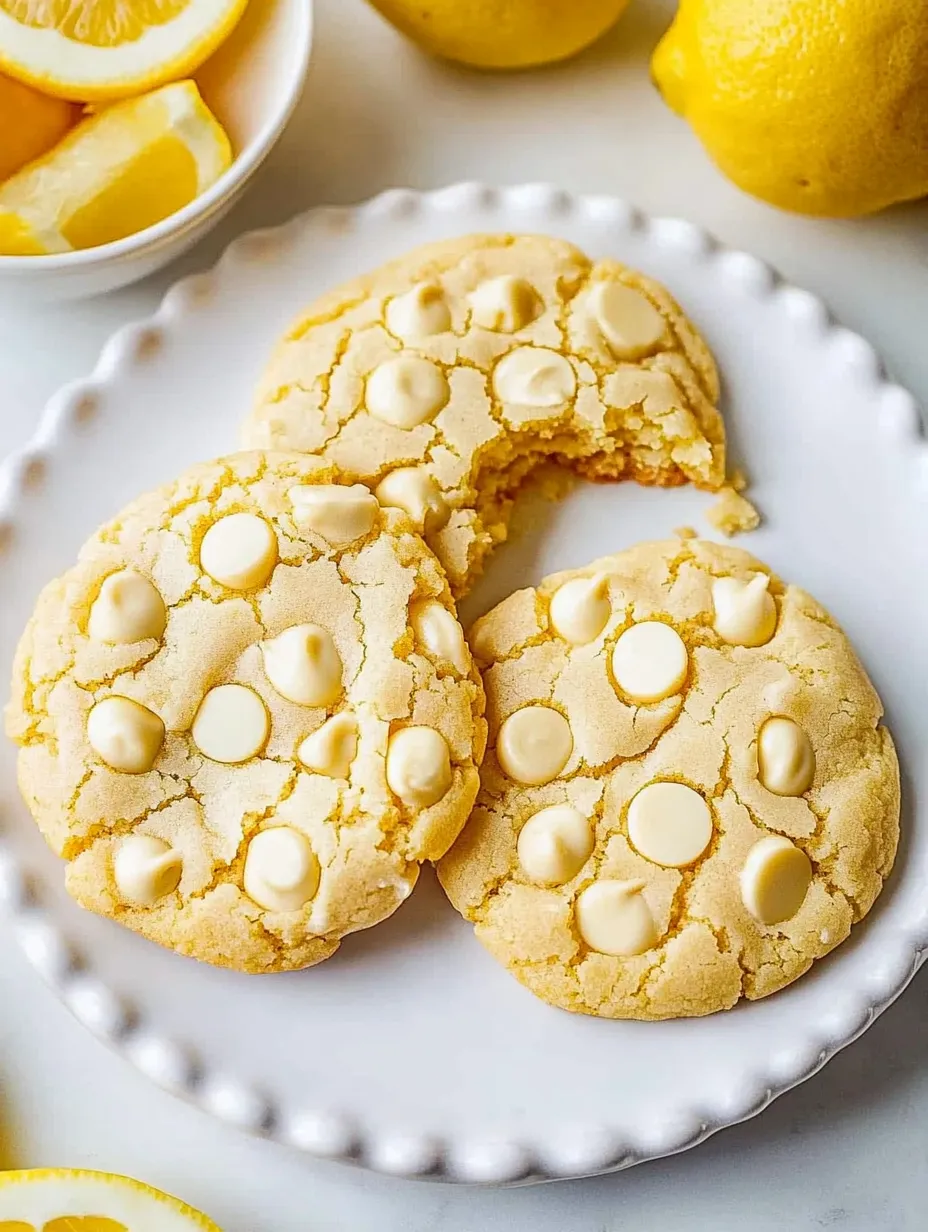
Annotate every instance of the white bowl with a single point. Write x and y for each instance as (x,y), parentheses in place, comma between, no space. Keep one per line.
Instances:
(252,83)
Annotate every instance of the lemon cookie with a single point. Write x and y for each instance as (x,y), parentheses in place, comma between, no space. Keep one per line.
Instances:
(443,379)
(248,713)
(689,796)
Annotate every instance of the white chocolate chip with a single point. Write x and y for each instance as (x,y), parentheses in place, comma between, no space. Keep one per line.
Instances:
(125,734)
(505,304)
(437,630)
(555,844)
(281,869)
(481,638)
(534,745)
(785,757)
(145,869)
(331,748)
(418,766)
(580,608)
(129,608)
(303,665)
(669,824)
(412,489)
(650,661)
(406,391)
(239,551)
(613,917)
(534,376)
(775,879)
(231,725)
(745,613)
(339,514)
(628,320)
(421,312)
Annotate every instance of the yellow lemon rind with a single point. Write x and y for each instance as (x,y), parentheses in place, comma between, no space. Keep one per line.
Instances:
(75,1179)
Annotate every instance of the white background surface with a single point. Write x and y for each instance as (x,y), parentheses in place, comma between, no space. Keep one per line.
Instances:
(847,1150)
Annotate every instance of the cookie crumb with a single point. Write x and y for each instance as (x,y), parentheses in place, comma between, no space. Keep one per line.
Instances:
(685,532)
(738,479)
(732,514)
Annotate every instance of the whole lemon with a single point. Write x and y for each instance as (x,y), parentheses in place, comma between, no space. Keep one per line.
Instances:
(818,106)
(30,124)
(502,33)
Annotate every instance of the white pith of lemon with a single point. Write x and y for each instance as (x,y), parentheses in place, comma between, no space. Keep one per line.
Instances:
(74,1200)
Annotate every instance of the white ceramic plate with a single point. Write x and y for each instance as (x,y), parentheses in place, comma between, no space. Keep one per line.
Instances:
(412,1052)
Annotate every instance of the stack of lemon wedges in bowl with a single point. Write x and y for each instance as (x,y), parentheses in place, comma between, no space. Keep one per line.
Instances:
(109,134)
(117,172)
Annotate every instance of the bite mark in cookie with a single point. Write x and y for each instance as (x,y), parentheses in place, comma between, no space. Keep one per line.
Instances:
(441,381)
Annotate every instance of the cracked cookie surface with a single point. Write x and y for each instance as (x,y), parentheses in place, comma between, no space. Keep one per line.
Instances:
(443,379)
(688,795)
(248,713)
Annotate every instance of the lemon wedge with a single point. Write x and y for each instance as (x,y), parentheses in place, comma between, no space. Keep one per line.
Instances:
(71,1200)
(99,50)
(30,124)
(116,173)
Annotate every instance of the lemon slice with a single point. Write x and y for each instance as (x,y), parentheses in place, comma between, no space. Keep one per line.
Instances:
(116,173)
(99,50)
(71,1200)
